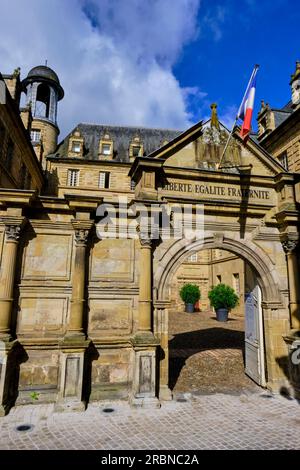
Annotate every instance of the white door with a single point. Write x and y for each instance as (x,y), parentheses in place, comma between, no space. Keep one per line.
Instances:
(254,343)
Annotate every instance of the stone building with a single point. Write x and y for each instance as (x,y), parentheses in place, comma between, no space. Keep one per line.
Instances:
(87,280)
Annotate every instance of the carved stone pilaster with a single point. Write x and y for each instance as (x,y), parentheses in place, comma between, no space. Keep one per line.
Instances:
(145,240)
(13,227)
(12,233)
(82,229)
(289,245)
(81,237)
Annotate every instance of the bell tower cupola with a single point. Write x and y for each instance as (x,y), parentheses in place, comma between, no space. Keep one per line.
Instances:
(295,85)
(43,91)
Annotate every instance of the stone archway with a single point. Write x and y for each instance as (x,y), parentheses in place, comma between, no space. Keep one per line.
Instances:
(273,305)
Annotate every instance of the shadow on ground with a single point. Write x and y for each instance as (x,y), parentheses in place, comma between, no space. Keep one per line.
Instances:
(185,345)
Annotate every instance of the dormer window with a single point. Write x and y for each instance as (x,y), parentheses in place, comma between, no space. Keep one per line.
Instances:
(76,146)
(106,149)
(136,150)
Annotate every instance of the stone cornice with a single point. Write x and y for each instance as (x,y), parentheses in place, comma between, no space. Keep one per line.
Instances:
(144,163)
(218,177)
(17,197)
(84,161)
(80,203)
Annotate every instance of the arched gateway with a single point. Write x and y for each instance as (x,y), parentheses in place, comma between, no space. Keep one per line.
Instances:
(247,210)
(272,297)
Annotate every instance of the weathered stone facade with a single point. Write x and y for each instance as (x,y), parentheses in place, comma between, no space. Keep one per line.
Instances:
(84,316)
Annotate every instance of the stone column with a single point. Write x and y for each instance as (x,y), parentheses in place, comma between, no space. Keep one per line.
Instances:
(7,279)
(75,326)
(52,105)
(145,286)
(74,345)
(161,330)
(144,386)
(289,247)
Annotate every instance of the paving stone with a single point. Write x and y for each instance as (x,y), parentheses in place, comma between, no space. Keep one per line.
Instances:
(215,421)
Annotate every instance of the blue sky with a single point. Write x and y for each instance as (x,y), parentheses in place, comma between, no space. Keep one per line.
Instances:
(241,34)
(157,63)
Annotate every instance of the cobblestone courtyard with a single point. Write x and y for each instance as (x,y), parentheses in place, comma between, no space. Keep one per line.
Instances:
(207,355)
(218,421)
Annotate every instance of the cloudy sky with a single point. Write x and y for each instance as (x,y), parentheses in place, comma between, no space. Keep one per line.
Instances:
(153,62)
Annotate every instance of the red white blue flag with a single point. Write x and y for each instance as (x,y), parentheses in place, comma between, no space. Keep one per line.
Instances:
(245,111)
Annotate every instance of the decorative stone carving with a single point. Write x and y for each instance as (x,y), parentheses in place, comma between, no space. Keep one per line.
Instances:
(145,240)
(81,237)
(12,232)
(289,245)
(218,237)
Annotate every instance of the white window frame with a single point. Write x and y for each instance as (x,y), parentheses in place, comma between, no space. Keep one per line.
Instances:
(283,159)
(104,180)
(74,145)
(73,177)
(35,135)
(107,151)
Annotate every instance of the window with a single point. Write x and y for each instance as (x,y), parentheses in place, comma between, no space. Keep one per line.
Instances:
(236,283)
(132,185)
(219,278)
(104,180)
(76,146)
(136,149)
(106,149)
(193,258)
(73,177)
(283,159)
(35,135)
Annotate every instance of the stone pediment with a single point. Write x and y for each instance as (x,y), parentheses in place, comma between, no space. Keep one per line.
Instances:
(202,146)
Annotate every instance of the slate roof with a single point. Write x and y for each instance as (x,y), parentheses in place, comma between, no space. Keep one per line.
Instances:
(121,136)
(281,115)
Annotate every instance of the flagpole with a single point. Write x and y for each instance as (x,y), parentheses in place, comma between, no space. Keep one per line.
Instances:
(227,143)
(237,117)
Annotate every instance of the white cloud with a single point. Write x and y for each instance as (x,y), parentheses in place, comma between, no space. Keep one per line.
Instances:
(114,57)
(227,117)
(214,21)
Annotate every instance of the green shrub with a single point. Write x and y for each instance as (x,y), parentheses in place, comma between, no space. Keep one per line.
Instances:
(223,296)
(190,293)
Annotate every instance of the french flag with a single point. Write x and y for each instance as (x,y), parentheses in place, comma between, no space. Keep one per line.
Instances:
(245,111)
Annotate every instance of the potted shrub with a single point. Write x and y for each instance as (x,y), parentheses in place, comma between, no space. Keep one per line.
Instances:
(190,294)
(223,298)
